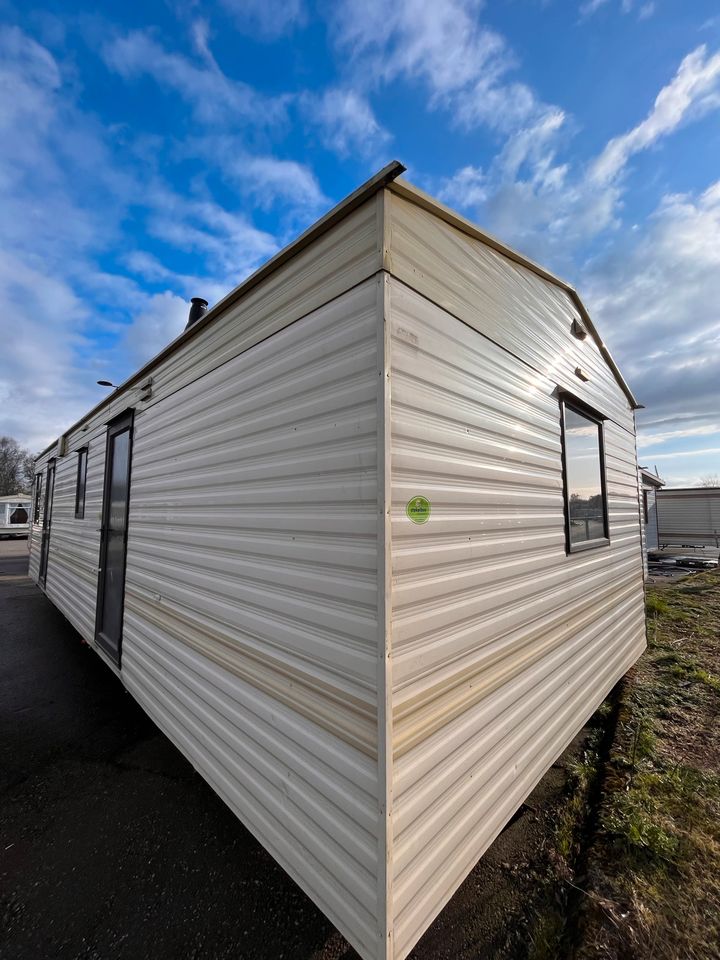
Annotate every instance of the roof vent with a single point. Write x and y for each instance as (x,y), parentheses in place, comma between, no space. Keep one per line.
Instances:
(198,309)
(578,330)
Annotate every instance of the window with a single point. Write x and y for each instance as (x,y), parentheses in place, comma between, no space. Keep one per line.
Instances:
(584,472)
(38,497)
(80,487)
(19,514)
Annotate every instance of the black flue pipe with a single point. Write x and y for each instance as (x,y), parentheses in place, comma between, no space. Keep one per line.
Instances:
(198,309)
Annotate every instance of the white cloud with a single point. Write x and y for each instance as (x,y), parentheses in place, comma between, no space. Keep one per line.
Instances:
(70,189)
(442,44)
(267,19)
(702,452)
(269,180)
(694,90)
(467,188)
(591,6)
(644,11)
(214,97)
(654,295)
(162,318)
(345,120)
(553,210)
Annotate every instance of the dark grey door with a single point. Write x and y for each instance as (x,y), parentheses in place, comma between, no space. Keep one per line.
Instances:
(46,521)
(113,541)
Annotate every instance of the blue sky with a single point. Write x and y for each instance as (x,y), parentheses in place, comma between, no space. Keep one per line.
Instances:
(153,152)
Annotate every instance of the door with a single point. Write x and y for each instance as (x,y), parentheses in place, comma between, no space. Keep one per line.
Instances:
(46,521)
(113,539)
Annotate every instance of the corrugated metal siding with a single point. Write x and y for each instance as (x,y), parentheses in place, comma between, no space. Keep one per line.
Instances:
(73,558)
(501,299)
(259,658)
(689,517)
(502,644)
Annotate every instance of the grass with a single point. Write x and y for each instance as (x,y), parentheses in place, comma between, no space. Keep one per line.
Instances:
(653,886)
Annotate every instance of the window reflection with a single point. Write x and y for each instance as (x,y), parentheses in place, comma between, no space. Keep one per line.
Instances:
(584,491)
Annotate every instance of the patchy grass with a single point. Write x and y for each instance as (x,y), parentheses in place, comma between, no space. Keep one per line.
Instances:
(653,865)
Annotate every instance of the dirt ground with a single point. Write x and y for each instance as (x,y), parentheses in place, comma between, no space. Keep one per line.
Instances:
(112,847)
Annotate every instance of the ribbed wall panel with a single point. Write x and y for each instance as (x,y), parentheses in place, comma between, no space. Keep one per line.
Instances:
(690,517)
(72,572)
(259,657)
(503,645)
(505,301)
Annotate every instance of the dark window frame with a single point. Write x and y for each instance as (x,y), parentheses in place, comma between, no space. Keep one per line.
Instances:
(582,409)
(38,497)
(80,490)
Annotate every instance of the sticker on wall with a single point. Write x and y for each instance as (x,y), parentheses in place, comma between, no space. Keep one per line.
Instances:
(418,509)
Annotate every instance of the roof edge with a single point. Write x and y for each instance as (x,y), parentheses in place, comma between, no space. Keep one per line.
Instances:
(346,206)
(409,191)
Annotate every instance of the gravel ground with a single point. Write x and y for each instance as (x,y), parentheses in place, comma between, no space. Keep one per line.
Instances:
(112,847)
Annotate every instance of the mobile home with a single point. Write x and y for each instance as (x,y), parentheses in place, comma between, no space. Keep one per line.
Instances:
(689,519)
(365,542)
(15,515)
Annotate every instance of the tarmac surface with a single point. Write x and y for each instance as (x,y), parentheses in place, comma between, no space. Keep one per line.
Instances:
(111,846)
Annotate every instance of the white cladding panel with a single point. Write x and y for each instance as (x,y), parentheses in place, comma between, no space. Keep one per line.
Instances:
(74,552)
(689,517)
(251,629)
(503,645)
(505,301)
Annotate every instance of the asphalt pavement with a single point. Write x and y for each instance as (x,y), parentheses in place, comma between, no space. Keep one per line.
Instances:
(111,846)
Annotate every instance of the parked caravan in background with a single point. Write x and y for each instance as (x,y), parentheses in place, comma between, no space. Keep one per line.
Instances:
(689,519)
(15,515)
(365,542)
(650,483)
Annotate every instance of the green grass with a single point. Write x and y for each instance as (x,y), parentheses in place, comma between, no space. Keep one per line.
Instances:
(655,861)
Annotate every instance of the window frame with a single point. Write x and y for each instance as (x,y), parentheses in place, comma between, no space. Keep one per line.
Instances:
(580,408)
(37,499)
(81,468)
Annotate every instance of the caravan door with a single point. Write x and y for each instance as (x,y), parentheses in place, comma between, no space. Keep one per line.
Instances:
(113,541)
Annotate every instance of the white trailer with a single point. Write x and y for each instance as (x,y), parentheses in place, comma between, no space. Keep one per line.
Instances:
(365,542)
(15,515)
(689,519)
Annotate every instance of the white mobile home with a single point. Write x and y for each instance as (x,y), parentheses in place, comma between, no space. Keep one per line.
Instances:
(689,518)
(15,515)
(365,542)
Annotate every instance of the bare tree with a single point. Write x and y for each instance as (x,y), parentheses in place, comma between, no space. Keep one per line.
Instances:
(16,468)
(710,480)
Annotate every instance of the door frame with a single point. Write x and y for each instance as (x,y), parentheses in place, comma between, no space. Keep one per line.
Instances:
(47,520)
(124,421)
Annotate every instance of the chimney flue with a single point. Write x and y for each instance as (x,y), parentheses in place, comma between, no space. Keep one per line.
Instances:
(198,308)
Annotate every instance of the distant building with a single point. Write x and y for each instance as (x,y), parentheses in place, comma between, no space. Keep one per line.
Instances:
(15,515)
(689,518)
(651,483)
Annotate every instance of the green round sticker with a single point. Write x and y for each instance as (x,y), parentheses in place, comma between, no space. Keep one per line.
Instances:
(418,509)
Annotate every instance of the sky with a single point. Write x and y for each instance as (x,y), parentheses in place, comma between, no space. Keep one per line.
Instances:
(158,151)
